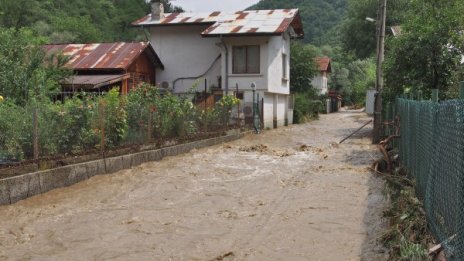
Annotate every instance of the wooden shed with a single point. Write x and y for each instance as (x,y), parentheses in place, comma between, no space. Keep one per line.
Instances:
(99,67)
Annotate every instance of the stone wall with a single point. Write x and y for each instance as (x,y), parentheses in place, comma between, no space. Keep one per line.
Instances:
(21,187)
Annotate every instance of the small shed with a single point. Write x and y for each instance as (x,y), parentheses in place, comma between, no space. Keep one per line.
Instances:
(101,66)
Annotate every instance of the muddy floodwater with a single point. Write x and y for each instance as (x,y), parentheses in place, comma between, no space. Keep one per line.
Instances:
(288,194)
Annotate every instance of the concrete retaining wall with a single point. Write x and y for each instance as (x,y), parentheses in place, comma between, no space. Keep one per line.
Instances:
(21,187)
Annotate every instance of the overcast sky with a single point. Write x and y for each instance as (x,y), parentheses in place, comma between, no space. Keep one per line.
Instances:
(213,5)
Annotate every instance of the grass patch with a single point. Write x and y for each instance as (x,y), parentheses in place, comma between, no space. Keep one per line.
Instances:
(408,237)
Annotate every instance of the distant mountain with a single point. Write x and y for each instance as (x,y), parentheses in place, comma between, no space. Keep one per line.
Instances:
(321,18)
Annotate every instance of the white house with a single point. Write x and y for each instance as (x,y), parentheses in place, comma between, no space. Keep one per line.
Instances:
(320,80)
(229,50)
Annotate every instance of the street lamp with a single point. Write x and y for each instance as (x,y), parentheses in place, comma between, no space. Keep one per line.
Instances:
(380,22)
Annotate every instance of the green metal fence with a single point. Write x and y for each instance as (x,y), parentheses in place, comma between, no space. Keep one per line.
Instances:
(432,150)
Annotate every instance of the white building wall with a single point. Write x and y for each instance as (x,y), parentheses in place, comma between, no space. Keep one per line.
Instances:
(185,53)
(268,110)
(320,82)
(278,45)
(244,80)
(281,109)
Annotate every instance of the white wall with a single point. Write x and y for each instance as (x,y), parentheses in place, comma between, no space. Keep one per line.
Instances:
(268,110)
(185,53)
(244,80)
(320,83)
(278,45)
(281,109)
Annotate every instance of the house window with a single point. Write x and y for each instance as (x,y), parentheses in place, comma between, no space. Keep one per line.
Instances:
(284,67)
(246,59)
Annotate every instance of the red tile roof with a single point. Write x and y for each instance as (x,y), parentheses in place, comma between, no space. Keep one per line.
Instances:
(323,64)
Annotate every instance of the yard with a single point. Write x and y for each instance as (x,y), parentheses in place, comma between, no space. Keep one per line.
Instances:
(292,193)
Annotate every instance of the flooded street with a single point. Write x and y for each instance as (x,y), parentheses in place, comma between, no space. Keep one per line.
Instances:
(289,194)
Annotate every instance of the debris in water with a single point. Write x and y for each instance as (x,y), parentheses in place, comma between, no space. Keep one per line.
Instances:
(130,221)
(228,214)
(305,147)
(223,257)
(254,148)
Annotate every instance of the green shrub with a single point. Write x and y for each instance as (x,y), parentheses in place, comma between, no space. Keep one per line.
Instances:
(15,131)
(141,102)
(224,108)
(112,107)
(307,107)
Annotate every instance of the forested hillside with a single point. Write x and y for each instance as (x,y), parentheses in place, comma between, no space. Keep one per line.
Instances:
(320,17)
(64,21)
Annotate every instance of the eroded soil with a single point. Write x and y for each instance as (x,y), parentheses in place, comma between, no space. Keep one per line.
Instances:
(288,194)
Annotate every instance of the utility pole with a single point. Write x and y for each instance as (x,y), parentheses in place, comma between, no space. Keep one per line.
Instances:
(381,22)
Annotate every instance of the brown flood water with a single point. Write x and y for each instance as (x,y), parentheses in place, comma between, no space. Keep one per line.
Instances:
(288,194)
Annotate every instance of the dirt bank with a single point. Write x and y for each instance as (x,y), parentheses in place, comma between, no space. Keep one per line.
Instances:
(288,194)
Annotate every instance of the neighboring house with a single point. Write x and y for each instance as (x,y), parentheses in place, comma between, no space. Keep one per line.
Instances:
(320,80)
(101,66)
(231,51)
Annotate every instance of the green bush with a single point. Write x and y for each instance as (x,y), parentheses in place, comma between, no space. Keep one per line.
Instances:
(112,107)
(171,116)
(67,127)
(76,125)
(15,131)
(141,102)
(307,107)
(224,108)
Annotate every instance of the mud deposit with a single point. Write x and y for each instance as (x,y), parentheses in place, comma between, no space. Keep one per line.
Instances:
(288,194)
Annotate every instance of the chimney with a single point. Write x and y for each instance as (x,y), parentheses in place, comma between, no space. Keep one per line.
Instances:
(157,10)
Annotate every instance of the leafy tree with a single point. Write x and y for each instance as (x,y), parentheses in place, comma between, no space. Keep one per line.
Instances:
(428,52)
(318,16)
(303,67)
(359,35)
(78,20)
(23,66)
(19,13)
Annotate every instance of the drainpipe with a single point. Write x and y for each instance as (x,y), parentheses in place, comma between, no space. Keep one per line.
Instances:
(226,78)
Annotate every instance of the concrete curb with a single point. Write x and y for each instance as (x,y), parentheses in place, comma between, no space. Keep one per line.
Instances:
(21,187)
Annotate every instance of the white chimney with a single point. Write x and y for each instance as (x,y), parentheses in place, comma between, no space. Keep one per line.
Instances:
(157,10)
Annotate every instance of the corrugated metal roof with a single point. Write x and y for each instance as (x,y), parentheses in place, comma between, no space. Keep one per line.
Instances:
(93,81)
(323,64)
(118,55)
(242,22)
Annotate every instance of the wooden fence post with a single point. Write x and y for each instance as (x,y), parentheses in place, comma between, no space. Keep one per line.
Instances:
(150,124)
(101,112)
(35,133)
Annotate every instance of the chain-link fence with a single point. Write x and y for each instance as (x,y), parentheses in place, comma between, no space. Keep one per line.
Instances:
(42,130)
(432,149)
